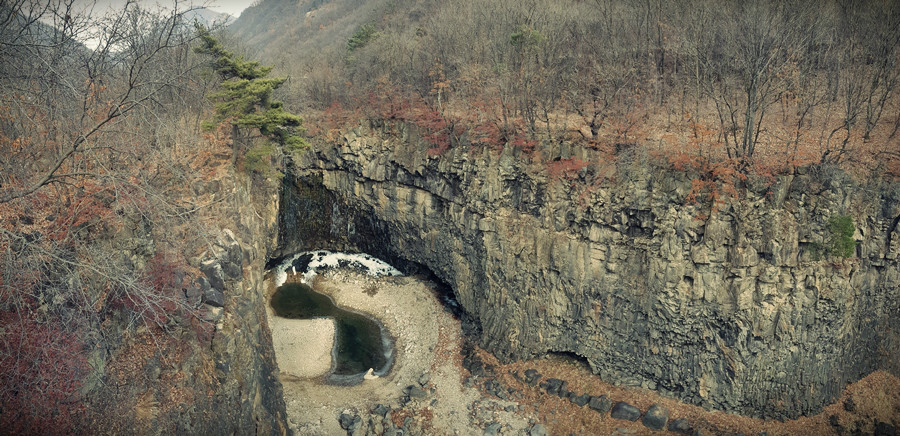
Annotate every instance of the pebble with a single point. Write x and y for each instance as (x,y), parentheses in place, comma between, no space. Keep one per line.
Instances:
(538,430)
(492,429)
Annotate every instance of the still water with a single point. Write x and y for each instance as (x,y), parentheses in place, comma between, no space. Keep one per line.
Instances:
(359,341)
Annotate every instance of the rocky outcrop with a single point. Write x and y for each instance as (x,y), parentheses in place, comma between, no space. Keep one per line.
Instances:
(216,376)
(729,307)
(248,396)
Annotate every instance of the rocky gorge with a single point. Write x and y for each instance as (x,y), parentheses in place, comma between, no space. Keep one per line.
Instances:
(733,306)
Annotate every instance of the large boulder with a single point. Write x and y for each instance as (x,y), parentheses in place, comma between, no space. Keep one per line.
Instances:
(656,417)
(600,404)
(213,272)
(625,411)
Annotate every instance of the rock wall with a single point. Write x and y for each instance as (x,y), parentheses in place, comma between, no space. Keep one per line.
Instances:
(730,310)
(218,377)
(248,395)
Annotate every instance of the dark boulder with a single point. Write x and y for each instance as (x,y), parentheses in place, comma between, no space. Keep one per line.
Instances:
(493,429)
(600,404)
(532,376)
(885,429)
(214,298)
(656,417)
(346,419)
(213,271)
(381,410)
(416,392)
(680,425)
(552,385)
(579,400)
(625,411)
(563,390)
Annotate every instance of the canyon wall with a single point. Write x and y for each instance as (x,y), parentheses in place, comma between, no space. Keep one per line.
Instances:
(733,308)
(219,377)
(248,396)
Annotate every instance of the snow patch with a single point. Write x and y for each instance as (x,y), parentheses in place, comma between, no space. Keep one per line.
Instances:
(308,263)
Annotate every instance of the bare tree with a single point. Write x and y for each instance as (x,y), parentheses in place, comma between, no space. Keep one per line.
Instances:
(742,64)
(863,73)
(86,138)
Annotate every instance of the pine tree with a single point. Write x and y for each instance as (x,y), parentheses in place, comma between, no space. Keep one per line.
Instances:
(244,100)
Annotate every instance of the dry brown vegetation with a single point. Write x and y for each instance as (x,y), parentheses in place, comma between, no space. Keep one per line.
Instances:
(726,90)
(108,188)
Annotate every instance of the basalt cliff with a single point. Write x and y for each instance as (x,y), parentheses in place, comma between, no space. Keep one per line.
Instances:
(736,306)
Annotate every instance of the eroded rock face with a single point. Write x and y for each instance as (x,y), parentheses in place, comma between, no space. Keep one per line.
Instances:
(216,381)
(725,308)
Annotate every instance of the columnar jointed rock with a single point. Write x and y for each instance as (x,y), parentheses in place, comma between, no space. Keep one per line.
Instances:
(249,398)
(721,306)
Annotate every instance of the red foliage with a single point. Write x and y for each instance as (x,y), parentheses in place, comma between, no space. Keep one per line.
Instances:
(487,133)
(41,367)
(157,297)
(441,127)
(520,141)
(482,124)
(160,273)
(158,303)
(92,205)
(565,168)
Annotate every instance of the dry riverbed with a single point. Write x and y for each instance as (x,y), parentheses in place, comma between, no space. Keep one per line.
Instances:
(440,386)
(427,341)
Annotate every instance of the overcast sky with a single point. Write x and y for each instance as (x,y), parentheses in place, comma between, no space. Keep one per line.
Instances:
(101,7)
(232,7)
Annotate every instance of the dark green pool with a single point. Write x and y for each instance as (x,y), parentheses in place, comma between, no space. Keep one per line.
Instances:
(359,342)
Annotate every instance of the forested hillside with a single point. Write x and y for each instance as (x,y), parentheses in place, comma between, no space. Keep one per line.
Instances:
(717,88)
